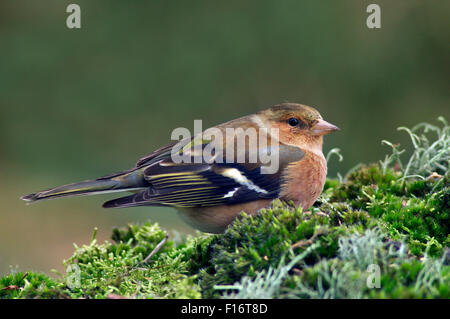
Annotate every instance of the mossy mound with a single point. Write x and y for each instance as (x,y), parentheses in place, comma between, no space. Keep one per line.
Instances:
(29,285)
(373,223)
(391,223)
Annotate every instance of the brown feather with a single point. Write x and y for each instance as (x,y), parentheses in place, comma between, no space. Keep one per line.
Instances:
(304,180)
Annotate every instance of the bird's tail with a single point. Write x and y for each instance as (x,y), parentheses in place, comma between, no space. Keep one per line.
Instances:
(122,182)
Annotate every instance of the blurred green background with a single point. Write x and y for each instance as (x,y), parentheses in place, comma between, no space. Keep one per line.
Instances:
(78,104)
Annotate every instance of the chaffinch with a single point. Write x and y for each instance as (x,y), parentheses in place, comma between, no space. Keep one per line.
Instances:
(211,192)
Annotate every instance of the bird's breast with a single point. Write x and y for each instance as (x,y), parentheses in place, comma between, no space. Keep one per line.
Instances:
(304,180)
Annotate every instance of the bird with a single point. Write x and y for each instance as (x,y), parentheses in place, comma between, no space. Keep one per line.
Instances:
(210,193)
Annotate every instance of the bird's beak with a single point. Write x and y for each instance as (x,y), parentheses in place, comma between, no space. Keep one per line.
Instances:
(323,127)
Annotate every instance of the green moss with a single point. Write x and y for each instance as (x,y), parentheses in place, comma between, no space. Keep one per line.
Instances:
(254,244)
(116,268)
(376,216)
(418,209)
(409,214)
(29,285)
(414,213)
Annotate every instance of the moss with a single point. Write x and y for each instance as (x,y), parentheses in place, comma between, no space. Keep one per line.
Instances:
(415,214)
(117,269)
(417,209)
(378,216)
(254,244)
(29,285)
(411,214)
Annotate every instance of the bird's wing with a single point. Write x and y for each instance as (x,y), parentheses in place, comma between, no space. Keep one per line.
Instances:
(193,185)
(185,185)
(160,153)
(202,183)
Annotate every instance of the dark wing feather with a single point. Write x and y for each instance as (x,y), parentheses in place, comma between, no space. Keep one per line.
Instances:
(160,153)
(192,185)
(204,184)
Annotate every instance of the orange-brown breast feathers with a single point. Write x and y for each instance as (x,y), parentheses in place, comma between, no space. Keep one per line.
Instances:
(304,180)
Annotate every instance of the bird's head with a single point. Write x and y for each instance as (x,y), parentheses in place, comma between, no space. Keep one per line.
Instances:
(298,124)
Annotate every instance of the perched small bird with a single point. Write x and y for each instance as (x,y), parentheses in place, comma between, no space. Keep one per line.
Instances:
(210,194)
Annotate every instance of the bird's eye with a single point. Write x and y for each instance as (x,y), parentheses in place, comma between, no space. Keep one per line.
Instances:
(293,121)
